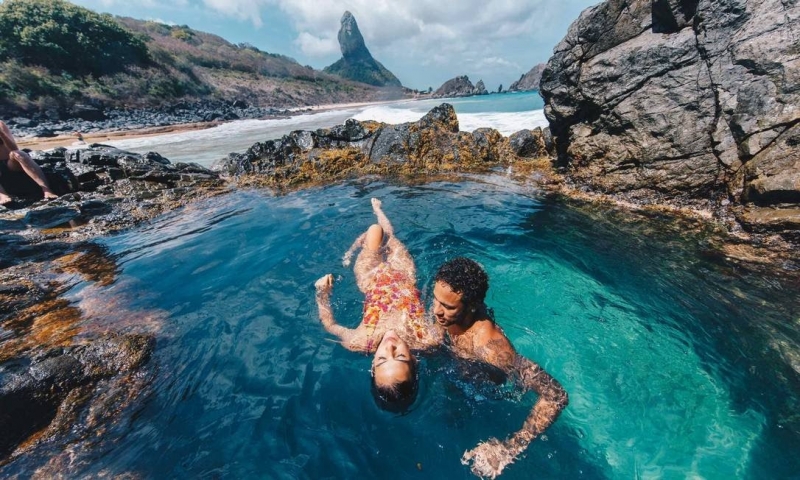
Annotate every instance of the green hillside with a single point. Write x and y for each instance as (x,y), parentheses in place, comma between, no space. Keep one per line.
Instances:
(54,54)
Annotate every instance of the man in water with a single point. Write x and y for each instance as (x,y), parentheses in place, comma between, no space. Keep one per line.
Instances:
(458,305)
(12,159)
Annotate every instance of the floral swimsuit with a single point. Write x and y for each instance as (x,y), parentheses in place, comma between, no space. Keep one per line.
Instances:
(393,290)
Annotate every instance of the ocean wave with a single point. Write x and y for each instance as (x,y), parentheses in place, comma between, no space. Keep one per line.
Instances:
(505,122)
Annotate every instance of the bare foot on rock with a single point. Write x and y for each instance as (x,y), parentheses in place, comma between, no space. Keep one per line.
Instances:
(48,194)
(5,199)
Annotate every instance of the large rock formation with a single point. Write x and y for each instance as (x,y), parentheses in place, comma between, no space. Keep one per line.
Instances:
(528,81)
(356,62)
(459,87)
(684,101)
(431,145)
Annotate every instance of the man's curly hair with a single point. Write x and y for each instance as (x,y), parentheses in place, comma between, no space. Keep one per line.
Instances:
(466,277)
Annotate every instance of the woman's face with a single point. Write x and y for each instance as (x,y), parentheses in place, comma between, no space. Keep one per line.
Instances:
(392,361)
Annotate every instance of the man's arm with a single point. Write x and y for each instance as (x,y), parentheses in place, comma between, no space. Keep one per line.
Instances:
(490,458)
(324,286)
(7,138)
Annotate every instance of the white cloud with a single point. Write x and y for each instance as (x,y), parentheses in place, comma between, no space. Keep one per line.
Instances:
(316,46)
(421,41)
(249,10)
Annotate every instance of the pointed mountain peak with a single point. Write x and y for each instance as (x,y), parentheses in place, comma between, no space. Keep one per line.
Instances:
(356,62)
(350,40)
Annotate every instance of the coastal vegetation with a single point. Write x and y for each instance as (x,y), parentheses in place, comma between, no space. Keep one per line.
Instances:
(54,55)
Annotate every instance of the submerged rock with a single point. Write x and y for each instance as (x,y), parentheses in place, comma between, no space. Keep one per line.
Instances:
(34,387)
(682,102)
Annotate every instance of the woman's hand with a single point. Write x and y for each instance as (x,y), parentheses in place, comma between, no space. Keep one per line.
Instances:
(324,284)
(489,458)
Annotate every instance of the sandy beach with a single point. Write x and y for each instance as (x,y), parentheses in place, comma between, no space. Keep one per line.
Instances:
(47,143)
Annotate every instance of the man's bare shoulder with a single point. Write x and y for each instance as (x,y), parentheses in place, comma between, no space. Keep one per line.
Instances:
(491,344)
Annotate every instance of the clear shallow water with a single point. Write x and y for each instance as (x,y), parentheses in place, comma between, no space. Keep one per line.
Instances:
(508,113)
(671,360)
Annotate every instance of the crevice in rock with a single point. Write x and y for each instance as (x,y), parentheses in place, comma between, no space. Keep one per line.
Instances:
(784,126)
(718,113)
(614,101)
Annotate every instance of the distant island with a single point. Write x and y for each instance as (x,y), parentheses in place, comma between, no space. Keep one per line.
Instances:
(459,87)
(528,81)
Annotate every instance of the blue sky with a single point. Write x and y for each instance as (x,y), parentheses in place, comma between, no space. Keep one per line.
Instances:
(423,42)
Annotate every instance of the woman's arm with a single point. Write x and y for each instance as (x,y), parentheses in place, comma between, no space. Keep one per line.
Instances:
(324,286)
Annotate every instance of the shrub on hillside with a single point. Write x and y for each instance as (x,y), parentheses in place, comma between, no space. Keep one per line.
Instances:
(64,37)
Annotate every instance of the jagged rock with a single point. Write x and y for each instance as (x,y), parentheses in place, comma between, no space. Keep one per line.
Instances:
(459,87)
(688,102)
(49,217)
(356,62)
(431,144)
(529,143)
(480,88)
(529,81)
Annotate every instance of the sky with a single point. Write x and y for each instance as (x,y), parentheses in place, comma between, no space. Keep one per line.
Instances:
(423,42)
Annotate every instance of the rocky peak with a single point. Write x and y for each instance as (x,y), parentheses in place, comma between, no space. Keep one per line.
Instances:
(460,87)
(528,81)
(350,39)
(356,62)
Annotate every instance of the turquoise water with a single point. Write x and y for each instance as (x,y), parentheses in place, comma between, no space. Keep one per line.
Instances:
(500,103)
(676,364)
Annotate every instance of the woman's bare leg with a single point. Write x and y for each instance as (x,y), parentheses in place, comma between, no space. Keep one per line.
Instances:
(383,220)
(369,257)
(21,161)
(397,255)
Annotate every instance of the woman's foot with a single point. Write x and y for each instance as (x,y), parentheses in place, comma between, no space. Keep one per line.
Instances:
(48,194)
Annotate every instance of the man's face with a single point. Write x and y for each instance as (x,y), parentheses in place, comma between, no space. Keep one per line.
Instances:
(448,307)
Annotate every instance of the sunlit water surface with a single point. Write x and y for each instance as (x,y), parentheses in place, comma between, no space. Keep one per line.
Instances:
(673,363)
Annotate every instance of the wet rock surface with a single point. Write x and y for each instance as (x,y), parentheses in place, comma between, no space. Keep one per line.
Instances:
(34,387)
(50,366)
(683,103)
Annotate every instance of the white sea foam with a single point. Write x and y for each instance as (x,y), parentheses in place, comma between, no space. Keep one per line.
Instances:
(206,146)
(505,122)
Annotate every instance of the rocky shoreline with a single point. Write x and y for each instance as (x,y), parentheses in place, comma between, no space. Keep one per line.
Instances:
(86,119)
(104,190)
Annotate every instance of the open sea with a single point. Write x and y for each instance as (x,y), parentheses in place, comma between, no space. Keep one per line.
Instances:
(678,364)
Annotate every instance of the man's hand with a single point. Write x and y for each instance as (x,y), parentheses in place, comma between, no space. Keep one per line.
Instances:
(489,458)
(324,284)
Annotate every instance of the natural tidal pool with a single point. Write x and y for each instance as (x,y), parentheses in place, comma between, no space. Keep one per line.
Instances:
(677,364)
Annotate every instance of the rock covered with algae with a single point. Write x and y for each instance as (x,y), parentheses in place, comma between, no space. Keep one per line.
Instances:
(433,144)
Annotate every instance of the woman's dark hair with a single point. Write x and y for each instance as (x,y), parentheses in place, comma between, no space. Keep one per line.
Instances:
(397,398)
(466,277)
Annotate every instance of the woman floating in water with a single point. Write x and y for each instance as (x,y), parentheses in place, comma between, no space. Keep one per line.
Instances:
(394,321)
